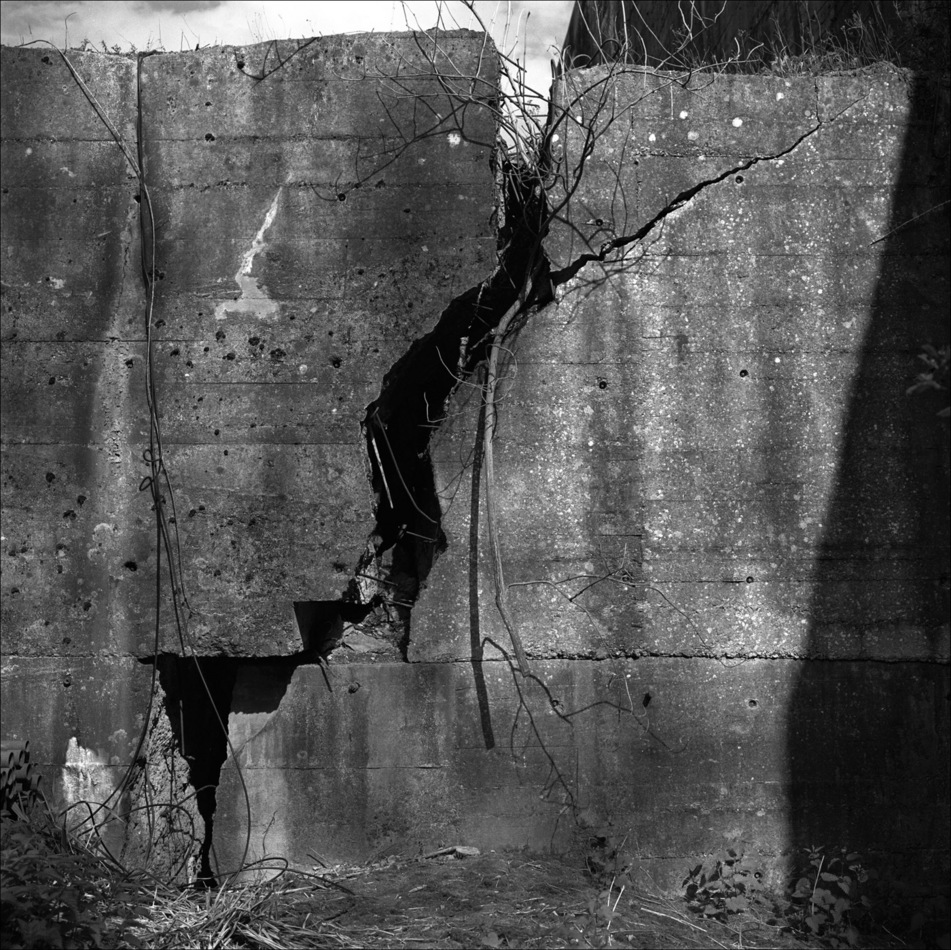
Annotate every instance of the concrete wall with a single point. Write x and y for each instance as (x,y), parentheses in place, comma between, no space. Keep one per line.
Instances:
(723,522)
(298,250)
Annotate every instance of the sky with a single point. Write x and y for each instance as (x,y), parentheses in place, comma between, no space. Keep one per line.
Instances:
(530,27)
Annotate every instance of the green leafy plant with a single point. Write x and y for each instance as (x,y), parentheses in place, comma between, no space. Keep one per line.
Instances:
(935,376)
(727,888)
(828,898)
(54,896)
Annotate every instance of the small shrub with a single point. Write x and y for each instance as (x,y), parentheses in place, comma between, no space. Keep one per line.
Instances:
(935,377)
(828,900)
(51,896)
(726,889)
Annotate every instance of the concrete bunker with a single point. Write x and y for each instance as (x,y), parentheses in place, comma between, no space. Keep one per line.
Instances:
(656,458)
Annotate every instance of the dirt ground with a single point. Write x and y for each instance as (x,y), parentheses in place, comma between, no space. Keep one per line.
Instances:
(516,900)
(452,898)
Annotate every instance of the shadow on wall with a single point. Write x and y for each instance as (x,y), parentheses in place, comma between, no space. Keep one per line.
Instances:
(867,740)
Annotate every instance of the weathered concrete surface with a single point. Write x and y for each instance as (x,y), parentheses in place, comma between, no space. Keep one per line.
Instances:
(76,550)
(682,411)
(299,250)
(302,249)
(392,759)
(713,489)
(707,450)
(77,545)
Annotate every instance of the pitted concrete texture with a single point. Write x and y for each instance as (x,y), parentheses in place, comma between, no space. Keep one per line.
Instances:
(299,251)
(706,447)
(300,248)
(723,522)
(679,757)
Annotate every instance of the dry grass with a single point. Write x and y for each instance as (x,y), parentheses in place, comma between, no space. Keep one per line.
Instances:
(450,900)
(59,892)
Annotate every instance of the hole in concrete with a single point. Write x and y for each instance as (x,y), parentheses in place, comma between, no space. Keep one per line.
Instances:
(131,566)
(646,701)
(209,137)
(750,579)
(752,703)
(739,179)
(321,623)
(744,373)
(198,693)
(399,424)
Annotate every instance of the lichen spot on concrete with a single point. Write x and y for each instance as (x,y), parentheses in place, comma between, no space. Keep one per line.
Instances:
(254,298)
(780,95)
(454,139)
(83,774)
(684,114)
(737,122)
(693,136)
(29,152)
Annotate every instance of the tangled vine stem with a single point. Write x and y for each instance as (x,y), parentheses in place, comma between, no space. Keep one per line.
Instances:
(488,456)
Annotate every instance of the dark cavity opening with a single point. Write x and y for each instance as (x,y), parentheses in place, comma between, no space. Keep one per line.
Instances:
(321,624)
(198,693)
(399,425)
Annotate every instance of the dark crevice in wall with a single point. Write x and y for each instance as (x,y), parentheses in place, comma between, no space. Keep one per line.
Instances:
(201,693)
(399,425)
(321,624)
(198,693)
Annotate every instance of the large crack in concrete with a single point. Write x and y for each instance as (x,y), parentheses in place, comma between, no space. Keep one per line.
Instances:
(398,428)
(399,425)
